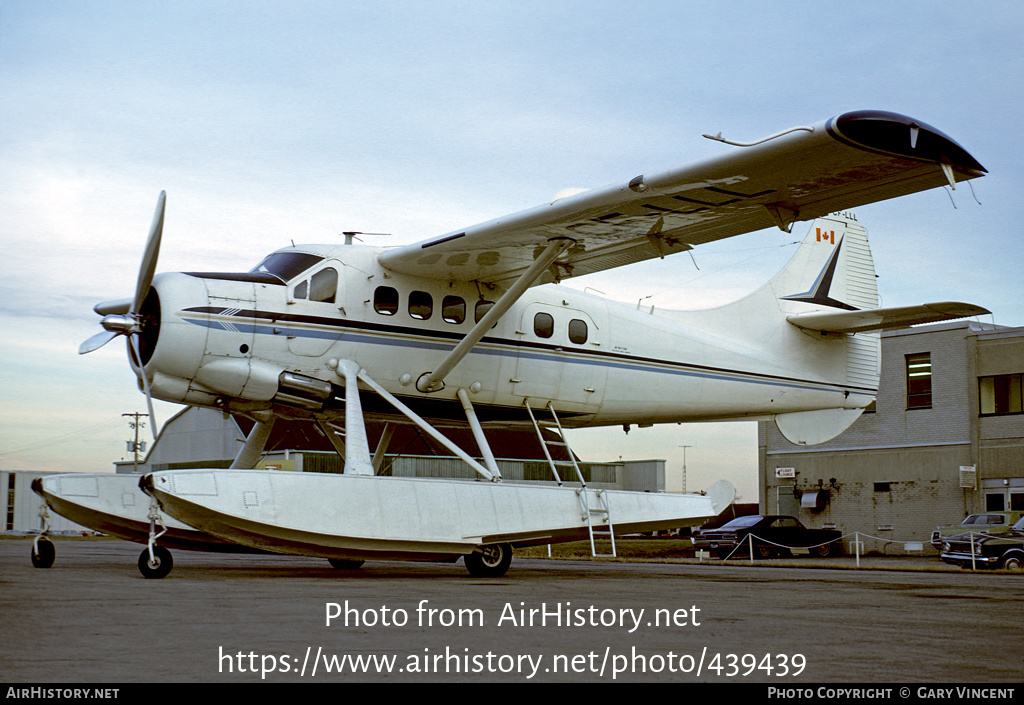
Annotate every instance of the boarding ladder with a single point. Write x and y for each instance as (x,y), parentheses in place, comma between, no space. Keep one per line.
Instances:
(593,503)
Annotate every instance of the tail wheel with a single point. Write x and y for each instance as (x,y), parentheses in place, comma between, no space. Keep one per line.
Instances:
(491,561)
(43,553)
(159,566)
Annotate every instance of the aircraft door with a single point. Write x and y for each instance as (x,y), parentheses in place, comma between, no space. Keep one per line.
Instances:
(315,307)
(556,359)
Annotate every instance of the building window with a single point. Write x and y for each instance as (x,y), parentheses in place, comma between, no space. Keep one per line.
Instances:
(995,502)
(919,381)
(883,487)
(10,501)
(1000,394)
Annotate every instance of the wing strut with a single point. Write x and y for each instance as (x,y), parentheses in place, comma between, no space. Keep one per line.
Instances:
(434,381)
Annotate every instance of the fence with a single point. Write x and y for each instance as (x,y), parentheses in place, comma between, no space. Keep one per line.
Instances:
(857,545)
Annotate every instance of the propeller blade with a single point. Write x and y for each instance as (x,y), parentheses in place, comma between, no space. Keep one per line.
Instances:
(145,384)
(97,341)
(106,308)
(149,258)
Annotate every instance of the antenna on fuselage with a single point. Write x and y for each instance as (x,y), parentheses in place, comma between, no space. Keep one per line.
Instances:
(351,235)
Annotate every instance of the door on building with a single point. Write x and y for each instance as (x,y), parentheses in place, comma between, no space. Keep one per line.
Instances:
(1002,495)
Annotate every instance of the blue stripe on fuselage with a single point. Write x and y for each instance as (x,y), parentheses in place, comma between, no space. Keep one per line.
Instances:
(414,338)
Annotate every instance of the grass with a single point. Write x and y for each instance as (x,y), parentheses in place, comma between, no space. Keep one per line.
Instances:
(628,549)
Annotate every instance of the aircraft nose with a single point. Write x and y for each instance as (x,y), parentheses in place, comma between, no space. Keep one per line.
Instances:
(170,349)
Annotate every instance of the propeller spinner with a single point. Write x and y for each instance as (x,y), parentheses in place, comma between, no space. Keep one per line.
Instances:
(129,317)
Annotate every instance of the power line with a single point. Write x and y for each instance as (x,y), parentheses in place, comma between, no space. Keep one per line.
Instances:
(62,438)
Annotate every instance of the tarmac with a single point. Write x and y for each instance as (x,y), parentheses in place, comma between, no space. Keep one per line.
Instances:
(245,619)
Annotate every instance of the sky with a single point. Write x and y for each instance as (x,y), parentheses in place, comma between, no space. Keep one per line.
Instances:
(272,122)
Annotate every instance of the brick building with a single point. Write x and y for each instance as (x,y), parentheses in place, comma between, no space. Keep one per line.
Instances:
(944,439)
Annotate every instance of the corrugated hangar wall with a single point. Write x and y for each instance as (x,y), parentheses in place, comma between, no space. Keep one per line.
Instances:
(22,505)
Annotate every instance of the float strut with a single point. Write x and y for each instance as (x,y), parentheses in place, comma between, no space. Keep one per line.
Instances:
(478,434)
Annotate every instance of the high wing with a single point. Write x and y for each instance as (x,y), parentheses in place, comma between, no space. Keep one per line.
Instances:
(798,174)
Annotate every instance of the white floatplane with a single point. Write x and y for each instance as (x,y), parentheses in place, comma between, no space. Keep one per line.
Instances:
(471,325)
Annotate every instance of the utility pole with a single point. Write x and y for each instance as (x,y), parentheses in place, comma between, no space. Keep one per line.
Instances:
(136,446)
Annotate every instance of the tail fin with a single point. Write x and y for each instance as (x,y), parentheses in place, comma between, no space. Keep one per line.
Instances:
(832,270)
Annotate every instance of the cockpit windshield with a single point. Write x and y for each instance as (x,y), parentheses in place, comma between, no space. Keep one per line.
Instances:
(286,265)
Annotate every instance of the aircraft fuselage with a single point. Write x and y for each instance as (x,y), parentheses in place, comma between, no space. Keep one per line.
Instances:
(226,341)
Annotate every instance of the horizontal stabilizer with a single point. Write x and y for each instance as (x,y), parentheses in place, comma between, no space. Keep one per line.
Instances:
(885,318)
(722,494)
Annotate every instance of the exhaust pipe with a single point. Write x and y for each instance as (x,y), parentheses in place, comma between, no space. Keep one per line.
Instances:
(302,392)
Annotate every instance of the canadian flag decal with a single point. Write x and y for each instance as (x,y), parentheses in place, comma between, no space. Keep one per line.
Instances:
(828,236)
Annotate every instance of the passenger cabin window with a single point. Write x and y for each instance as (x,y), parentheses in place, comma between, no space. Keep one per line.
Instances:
(301,291)
(385,300)
(482,307)
(453,309)
(543,325)
(577,331)
(324,285)
(421,305)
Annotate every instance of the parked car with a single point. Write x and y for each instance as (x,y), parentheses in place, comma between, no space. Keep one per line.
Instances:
(1003,549)
(772,536)
(989,522)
